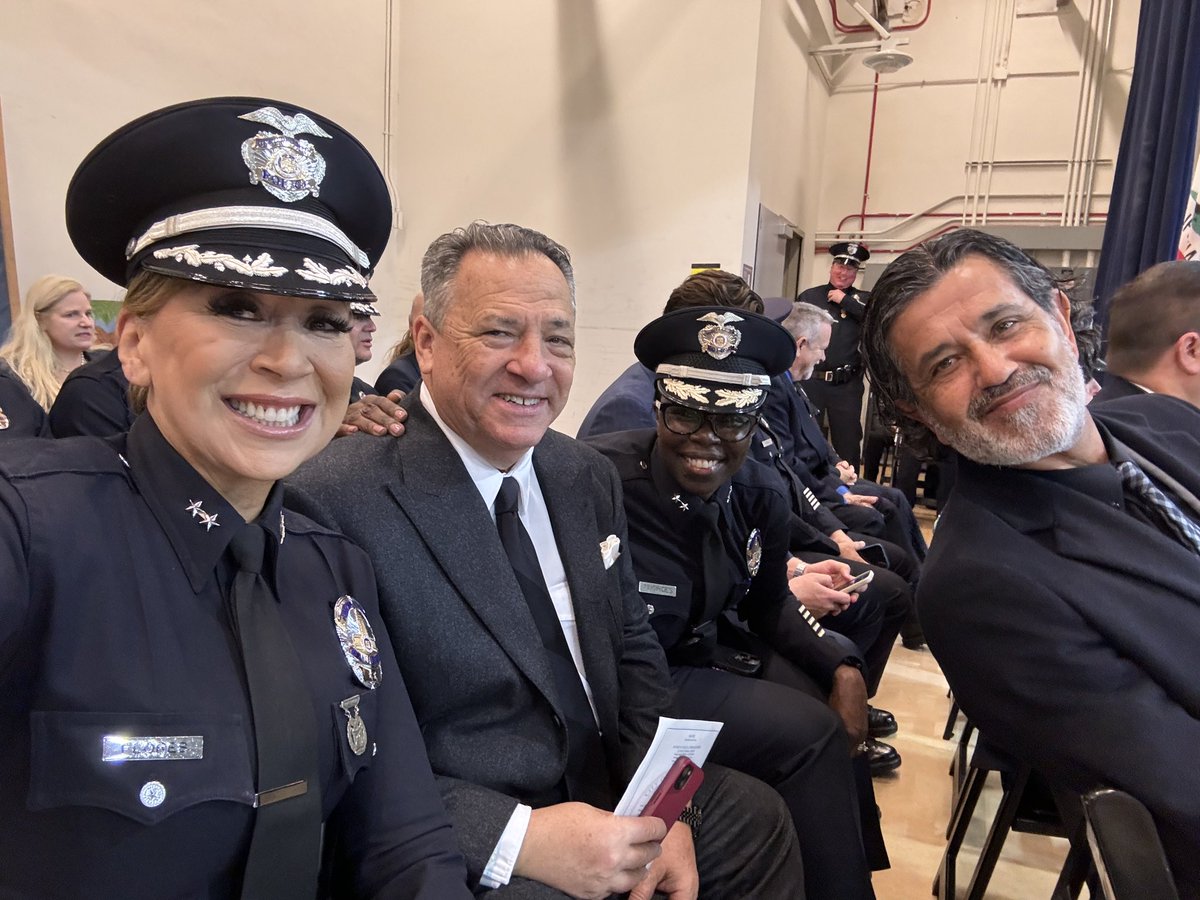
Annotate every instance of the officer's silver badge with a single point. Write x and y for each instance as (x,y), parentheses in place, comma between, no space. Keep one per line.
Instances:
(358,641)
(3,419)
(754,552)
(288,168)
(852,249)
(356,728)
(720,339)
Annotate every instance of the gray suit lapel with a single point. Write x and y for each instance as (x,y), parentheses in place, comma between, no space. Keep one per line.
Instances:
(572,514)
(466,547)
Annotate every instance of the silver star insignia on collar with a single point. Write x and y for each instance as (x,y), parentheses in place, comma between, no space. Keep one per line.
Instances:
(679,500)
(196,508)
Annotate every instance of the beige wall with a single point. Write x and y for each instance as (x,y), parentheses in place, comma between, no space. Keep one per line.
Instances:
(643,134)
(621,129)
(71,71)
(947,108)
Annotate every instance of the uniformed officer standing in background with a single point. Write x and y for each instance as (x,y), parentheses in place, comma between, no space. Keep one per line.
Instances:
(836,386)
(194,700)
(709,534)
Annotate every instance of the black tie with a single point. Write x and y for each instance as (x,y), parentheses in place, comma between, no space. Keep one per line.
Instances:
(808,404)
(587,773)
(285,849)
(710,603)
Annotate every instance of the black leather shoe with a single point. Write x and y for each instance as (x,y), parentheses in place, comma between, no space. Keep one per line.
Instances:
(913,641)
(880,722)
(881,757)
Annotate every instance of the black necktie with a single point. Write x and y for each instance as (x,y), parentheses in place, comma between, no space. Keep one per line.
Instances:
(587,773)
(1158,506)
(709,603)
(285,849)
(808,404)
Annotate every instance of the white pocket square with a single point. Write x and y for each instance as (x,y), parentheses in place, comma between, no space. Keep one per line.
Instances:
(610,549)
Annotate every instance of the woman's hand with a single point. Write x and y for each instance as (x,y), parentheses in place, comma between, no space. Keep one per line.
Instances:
(374,414)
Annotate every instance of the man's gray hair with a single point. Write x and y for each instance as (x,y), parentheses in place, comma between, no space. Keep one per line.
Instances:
(445,255)
(804,321)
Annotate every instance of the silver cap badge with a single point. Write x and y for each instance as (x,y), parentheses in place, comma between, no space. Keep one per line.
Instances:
(288,168)
(719,339)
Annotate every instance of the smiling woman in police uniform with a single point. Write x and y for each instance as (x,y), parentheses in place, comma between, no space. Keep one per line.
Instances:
(708,530)
(193,700)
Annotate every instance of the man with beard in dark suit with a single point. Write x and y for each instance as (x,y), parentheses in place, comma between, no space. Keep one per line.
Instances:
(501,554)
(1062,591)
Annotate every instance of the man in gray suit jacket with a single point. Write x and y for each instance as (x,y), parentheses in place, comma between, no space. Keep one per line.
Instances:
(529,764)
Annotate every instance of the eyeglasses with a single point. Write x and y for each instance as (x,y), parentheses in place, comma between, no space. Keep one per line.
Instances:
(726,426)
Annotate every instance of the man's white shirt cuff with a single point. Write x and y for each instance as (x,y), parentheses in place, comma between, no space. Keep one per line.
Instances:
(499,866)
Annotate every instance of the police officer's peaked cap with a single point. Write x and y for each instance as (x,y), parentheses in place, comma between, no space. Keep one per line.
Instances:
(778,308)
(238,191)
(850,253)
(714,358)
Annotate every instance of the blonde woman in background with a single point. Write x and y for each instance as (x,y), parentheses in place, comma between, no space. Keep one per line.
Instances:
(50,336)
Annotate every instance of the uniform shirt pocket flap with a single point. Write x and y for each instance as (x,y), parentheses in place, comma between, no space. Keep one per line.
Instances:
(157,763)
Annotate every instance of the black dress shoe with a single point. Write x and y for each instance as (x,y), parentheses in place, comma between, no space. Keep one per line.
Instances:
(880,756)
(913,642)
(880,722)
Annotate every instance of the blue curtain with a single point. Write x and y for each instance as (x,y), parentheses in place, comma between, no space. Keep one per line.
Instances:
(1158,144)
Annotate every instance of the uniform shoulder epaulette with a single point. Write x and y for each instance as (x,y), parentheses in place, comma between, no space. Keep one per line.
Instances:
(36,457)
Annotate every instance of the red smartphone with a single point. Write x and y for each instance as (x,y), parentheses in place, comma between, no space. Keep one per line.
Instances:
(676,791)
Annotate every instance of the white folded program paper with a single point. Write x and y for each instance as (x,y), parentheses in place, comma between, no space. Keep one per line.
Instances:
(692,738)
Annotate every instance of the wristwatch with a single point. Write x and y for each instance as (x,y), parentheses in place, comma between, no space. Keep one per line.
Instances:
(692,817)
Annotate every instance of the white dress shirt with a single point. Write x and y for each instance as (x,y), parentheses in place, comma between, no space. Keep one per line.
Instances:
(536,519)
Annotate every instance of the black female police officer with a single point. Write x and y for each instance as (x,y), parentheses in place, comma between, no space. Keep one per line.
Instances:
(193,698)
(709,531)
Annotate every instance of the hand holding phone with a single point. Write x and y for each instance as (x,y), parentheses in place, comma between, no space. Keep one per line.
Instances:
(675,791)
(858,584)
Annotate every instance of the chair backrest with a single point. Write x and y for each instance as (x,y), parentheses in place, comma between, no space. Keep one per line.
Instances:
(1125,848)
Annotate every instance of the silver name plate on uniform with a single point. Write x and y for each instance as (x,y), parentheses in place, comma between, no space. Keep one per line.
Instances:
(663,590)
(120,748)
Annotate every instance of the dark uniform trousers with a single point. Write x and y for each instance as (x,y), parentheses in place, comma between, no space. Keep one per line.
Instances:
(752,854)
(874,620)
